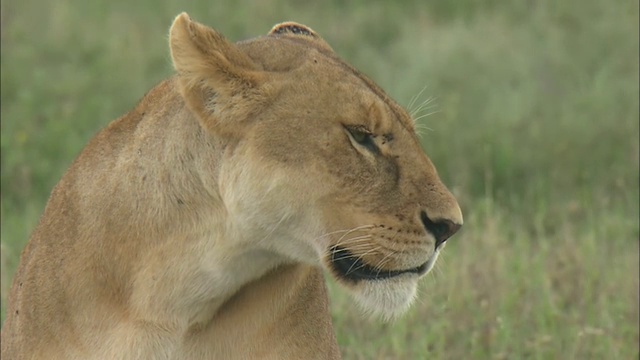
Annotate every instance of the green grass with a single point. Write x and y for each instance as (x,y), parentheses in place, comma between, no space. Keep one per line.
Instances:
(535,129)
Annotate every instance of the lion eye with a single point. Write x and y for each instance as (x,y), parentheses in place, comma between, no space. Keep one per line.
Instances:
(362,136)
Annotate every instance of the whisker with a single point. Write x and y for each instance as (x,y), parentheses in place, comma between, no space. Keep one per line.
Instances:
(422,105)
(349,251)
(423,109)
(352,230)
(353,240)
(344,238)
(414,98)
(427,101)
(383,262)
(361,256)
(425,115)
(345,231)
(423,127)
(360,245)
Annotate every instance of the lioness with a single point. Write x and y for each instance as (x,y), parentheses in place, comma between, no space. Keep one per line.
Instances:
(197,225)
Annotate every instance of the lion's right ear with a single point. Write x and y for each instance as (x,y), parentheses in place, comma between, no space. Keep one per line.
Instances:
(218,81)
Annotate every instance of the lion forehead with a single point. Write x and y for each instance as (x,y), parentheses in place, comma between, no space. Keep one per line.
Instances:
(321,65)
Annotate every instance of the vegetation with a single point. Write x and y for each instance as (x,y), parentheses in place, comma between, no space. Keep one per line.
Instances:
(533,123)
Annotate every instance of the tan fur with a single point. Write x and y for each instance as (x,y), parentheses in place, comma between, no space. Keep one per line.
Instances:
(197,225)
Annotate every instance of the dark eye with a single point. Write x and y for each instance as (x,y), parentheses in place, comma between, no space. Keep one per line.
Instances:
(362,136)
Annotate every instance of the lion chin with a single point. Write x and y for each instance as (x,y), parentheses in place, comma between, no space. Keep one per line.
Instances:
(380,294)
(386,299)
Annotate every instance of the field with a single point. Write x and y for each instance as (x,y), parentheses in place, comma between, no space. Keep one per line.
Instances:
(530,114)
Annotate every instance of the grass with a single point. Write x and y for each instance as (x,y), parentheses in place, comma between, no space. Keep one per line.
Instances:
(534,127)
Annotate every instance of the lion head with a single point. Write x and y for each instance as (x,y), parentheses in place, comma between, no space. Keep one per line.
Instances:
(316,162)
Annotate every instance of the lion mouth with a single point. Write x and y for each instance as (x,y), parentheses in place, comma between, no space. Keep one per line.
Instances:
(350,267)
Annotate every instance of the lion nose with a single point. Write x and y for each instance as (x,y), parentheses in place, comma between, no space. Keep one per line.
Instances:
(441,229)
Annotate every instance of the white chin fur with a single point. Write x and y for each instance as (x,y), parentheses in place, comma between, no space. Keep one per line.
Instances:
(386,299)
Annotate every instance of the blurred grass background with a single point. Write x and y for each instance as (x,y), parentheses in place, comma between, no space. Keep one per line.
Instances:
(534,126)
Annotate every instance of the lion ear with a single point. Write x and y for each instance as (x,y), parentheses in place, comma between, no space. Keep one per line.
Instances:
(217,80)
(295,30)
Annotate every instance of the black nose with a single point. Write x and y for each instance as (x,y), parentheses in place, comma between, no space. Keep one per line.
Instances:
(441,229)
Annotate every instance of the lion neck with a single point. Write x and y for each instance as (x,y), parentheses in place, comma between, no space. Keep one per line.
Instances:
(285,312)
